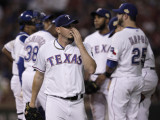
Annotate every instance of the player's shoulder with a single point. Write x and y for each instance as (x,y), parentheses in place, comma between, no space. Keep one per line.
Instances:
(87,45)
(9,45)
(22,36)
(91,36)
(42,33)
(47,45)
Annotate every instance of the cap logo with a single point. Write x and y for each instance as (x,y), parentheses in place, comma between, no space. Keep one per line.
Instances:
(67,17)
(115,23)
(126,10)
(29,16)
(107,15)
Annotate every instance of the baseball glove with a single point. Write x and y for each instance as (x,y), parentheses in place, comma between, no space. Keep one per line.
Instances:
(32,113)
(91,87)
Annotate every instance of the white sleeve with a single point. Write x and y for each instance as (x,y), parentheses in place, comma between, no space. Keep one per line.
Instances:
(40,64)
(19,46)
(149,53)
(115,49)
(10,46)
(149,60)
(88,48)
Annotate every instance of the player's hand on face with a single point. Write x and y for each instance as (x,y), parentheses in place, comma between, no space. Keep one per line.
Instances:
(100,79)
(77,36)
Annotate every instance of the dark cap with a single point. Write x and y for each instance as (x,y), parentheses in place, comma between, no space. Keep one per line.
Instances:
(113,23)
(64,20)
(102,12)
(46,17)
(127,8)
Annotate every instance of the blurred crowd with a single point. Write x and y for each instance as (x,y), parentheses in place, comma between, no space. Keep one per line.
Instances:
(148,20)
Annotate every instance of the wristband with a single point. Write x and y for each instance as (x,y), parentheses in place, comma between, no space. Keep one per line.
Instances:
(108,75)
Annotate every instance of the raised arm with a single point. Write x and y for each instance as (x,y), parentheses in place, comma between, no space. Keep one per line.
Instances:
(88,62)
(8,54)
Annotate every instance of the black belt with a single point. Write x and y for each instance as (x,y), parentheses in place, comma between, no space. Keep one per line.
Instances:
(152,68)
(77,97)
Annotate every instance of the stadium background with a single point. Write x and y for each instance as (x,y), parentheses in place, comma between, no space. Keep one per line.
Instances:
(148,20)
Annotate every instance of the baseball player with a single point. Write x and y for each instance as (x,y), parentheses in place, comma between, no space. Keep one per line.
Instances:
(60,63)
(100,44)
(149,76)
(29,56)
(150,82)
(27,27)
(8,50)
(113,26)
(124,65)
(48,25)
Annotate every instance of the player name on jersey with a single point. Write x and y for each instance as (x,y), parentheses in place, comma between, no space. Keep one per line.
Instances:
(137,39)
(69,58)
(37,39)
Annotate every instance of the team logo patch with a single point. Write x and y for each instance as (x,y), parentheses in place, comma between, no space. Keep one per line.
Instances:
(107,15)
(114,52)
(115,23)
(126,11)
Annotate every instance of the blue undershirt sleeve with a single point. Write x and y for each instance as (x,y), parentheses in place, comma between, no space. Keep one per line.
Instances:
(21,68)
(111,63)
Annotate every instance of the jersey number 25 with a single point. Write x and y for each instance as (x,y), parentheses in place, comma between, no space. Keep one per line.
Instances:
(138,57)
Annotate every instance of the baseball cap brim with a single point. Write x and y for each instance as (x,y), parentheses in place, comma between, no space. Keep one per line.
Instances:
(71,22)
(117,11)
(45,18)
(48,17)
(95,13)
(111,33)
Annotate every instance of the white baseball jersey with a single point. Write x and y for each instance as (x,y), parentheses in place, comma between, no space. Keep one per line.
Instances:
(149,60)
(63,69)
(15,83)
(129,50)
(19,44)
(10,47)
(150,82)
(100,45)
(32,45)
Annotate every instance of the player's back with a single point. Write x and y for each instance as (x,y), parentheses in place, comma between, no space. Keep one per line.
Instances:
(129,48)
(32,45)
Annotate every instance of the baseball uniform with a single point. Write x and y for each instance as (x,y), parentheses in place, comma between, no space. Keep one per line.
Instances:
(100,46)
(128,48)
(150,82)
(15,81)
(29,53)
(63,70)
